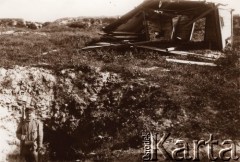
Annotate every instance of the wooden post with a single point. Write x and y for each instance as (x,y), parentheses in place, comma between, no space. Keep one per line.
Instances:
(145,23)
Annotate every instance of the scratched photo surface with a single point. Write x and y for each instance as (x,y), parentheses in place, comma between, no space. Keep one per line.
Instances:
(117,81)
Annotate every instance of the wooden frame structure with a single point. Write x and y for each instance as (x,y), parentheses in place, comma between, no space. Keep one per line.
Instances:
(174,21)
(169,26)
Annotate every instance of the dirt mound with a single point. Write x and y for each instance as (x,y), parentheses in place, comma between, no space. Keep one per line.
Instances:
(51,93)
(85,106)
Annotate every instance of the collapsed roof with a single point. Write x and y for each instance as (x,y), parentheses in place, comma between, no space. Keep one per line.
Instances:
(175,21)
(173,27)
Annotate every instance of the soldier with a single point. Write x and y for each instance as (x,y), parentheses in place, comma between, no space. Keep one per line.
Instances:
(30,133)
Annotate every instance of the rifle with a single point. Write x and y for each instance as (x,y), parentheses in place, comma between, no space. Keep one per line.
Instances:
(23,113)
(22,121)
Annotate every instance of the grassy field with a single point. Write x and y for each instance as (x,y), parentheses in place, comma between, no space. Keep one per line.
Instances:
(191,101)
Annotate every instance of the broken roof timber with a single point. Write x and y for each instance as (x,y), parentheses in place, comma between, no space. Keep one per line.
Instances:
(201,16)
(171,6)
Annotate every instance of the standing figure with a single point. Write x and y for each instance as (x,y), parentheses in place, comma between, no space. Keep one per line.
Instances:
(30,133)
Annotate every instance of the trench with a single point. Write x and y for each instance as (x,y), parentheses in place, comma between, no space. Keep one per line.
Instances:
(90,114)
(87,113)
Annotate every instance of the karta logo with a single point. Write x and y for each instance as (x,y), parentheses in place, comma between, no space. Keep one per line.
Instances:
(154,146)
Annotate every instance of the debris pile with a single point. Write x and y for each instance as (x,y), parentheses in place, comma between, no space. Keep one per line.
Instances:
(172,28)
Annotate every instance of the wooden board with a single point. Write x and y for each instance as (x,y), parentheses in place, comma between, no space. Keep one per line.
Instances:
(151,48)
(100,46)
(183,53)
(191,62)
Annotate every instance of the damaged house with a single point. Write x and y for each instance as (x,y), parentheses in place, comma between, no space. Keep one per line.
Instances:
(171,25)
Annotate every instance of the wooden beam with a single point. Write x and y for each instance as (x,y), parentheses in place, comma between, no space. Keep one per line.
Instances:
(103,43)
(127,16)
(106,44)
(125,36)
(191,62)
(151,48)
(94,47)
(183,53)
(123,33)
(101,46)
(201,15)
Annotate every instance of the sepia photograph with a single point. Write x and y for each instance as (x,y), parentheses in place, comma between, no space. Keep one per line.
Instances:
(119,80)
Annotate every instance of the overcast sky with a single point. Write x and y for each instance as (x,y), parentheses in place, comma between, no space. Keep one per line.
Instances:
(49,10)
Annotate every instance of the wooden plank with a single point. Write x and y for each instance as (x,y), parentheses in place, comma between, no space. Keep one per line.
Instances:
(183,53)
(100,46)
(191,62)
(125,36)
(145,42)
(151,48)
(103,43)
(124,33)
(106,44)
(94,47)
